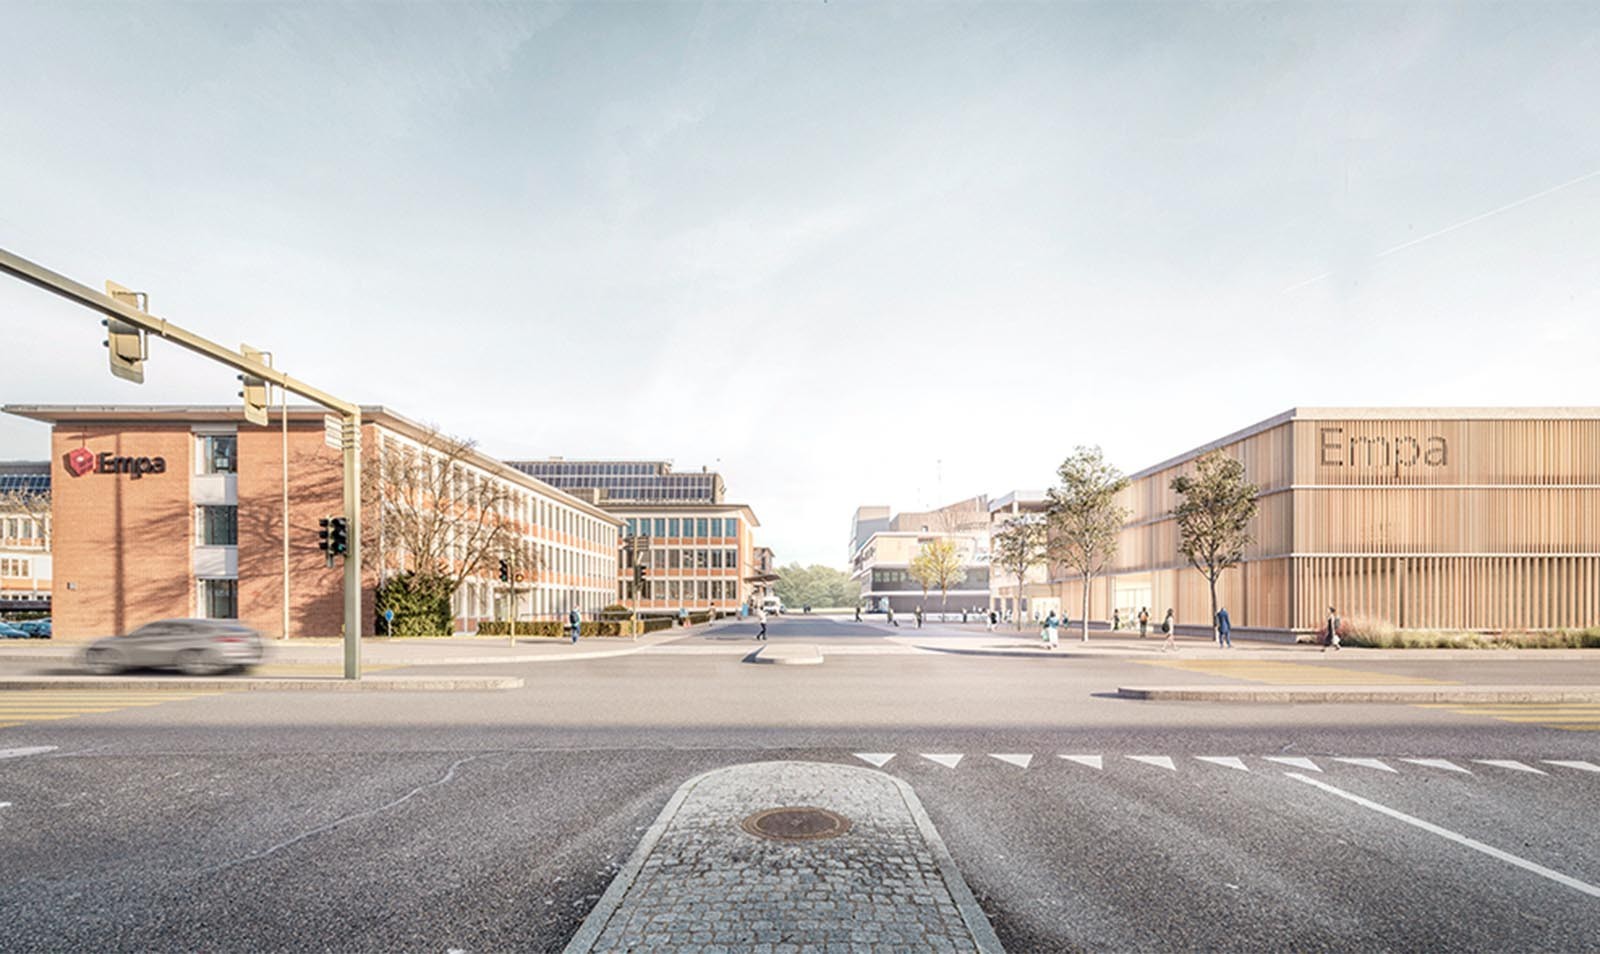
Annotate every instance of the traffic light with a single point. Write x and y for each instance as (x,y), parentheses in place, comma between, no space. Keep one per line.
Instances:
(338,536)
(255,390)
(125,342)
(324,543)
(505,572)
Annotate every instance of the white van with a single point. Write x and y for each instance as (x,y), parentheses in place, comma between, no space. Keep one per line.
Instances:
(772,605)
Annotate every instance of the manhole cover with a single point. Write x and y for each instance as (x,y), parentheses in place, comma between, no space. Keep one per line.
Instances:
(796,824)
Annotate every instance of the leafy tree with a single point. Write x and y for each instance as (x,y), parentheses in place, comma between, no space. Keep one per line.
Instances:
(1085,518)
(1018,546)
(1214,518)
(421,605)
(938,565)
(816,585)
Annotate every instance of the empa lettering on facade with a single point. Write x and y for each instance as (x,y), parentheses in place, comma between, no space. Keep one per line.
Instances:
(1379,451)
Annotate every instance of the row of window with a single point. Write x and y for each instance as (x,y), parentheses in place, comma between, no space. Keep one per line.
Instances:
(675,558)
(707,528)
(16,568)
(21,528)
(681,590)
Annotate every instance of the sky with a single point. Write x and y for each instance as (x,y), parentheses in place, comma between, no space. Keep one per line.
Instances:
(844,253)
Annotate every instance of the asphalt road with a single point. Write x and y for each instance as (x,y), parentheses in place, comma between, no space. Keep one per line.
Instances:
(493,821)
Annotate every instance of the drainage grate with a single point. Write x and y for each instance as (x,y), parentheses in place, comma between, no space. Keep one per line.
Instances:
(802,823)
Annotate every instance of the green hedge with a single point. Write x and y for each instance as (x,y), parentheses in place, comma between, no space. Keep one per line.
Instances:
(421,606)
(500,627)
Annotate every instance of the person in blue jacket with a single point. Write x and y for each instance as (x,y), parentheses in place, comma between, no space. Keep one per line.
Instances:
(1224,629)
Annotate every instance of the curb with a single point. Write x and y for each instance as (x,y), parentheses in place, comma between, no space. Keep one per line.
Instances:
(804,654)
(972,915)
(266,684)
(1408,695)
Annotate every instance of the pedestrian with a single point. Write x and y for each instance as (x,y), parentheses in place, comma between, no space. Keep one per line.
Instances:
(1224,629)
(994,618)
(858,612)
(683,616)
(1168,627)
(1052,633)
(761,615)
(889,609)
(1144,622)
(575,623)
(918,615)
(1116,620)
(1332,629)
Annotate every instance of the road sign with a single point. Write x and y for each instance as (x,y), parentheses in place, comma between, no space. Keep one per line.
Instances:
(388,616)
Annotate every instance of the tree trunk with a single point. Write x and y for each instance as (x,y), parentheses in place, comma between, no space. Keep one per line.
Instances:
(1017,603)
(1215,636)
(1086,609)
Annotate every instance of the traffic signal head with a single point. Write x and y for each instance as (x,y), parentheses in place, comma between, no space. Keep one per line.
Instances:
(338,535)
(323,535)
(505,572)
(125,342)
(255,390)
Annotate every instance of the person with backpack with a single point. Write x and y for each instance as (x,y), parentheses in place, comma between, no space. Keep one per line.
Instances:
(575,623)
(1332,630)
(1144,622)
(1168,627)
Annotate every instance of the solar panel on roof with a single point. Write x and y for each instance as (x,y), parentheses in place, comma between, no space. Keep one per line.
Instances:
(25,483)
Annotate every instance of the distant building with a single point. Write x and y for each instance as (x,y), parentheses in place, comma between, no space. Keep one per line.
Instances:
(1037,597)
(881,560)
(25,535)
(697,547)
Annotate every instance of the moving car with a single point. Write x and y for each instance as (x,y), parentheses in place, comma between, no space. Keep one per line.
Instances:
(198,647)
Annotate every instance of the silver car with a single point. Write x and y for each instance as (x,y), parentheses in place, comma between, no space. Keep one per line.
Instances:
(198,647)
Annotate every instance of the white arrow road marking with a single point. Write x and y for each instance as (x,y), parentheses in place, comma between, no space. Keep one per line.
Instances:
(30,750)
(1463,840)
(1445,764)
(1020,761)
(1294,761)
(1160,761)
(1227,761)
(948,761)
(1512,764)
(1093,761)
(1369,763)
(1574,764)
(875,759)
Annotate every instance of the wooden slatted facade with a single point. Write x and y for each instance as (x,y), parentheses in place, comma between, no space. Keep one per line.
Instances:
(1424,518)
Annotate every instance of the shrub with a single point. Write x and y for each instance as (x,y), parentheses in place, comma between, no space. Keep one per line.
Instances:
(1380,635)
(421,606)
(553,628)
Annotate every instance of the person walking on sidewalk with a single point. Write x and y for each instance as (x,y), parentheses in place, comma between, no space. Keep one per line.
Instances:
(889,609)
(1144,622)
(1333,630)
(1171,629)
(858,612)
(761,615)
(918,615)
(994,617)
(1116,620)
(1052,632)
(575,623)
(1224,629)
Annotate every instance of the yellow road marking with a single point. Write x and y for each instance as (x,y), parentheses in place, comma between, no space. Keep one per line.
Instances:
(1291,674)
(1571,716)
(45,705)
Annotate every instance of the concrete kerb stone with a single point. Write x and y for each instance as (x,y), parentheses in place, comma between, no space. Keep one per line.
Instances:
(744,918)
(1403,695)
(789,654)
(386,683)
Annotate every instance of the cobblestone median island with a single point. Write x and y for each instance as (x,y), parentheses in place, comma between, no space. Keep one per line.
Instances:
(706,884)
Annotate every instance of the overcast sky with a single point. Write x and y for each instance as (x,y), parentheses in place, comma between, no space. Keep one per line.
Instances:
(845,253)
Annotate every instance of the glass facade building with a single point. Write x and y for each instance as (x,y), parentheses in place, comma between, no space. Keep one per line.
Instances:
(630,481)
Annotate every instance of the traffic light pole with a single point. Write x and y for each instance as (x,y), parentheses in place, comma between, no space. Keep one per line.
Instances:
(115,310)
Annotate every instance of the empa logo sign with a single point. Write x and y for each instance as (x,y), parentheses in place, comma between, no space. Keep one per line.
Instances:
(84,461)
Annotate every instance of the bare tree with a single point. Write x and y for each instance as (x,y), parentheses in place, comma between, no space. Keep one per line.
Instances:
(1017,547)
(1214,518)
(1085,518)
(938,565)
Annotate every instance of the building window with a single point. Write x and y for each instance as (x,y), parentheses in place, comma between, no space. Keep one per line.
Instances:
(672,527)
(661,527)
(15,568)
(219,454)
(219,599)
(700,527)
(731,525)
(219,526)
(716,527)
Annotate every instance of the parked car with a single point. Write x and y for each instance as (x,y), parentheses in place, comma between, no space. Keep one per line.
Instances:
(35,628)
(198,647)
(8,631)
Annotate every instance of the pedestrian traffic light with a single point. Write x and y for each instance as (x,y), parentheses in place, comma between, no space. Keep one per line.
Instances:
(505,572)
(125,342)
(338,536)
(323,542)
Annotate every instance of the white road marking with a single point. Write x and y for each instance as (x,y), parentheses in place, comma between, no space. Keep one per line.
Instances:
(1369,763)
(1445,764)
(30,750)
(1093,761)
(948,761)
(1160,761)
(1512,764)
(875,759)
(5,804)
(1293,761)
(1227,761)
(1459,839)
(1020,761)
(1574,764)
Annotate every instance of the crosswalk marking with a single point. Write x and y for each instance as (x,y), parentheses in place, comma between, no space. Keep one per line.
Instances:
(1293,761)
(1571,716)
(1291,674)
(1020,761)
(875,759)
(19,707)
(948,761)
(1227,761)
(1093,761)
(1160,761)
(1369,763)
(1445,764)
(1512,764)
(25,751)
(1574,764)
